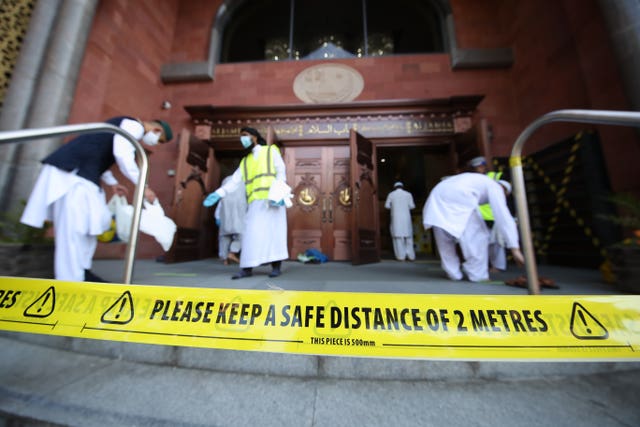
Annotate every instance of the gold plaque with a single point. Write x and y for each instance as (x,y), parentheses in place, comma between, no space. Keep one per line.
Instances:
(345,197)
(307,196)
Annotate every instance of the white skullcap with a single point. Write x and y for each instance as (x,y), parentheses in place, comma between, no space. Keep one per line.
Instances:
(506,185)
(398,184)
(477,161)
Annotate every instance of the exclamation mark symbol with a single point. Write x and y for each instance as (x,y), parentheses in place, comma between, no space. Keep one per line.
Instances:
(585,326)
(44,303)
(584,321)
(120,312)
(124,302)
(43,306)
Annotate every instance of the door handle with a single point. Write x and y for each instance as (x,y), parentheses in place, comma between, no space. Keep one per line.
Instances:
(330,200)
(324,210)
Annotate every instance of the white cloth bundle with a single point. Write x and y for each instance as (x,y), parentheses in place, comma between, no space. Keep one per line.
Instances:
(280,192)
(154,223)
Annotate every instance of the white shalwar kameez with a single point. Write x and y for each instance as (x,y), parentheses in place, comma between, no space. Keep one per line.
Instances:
(78,207)
(231,212)
(401,202)
(497,254)
(264,238)
(452,210)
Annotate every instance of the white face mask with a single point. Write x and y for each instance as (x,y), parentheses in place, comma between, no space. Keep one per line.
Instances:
(151,138)
(246,141)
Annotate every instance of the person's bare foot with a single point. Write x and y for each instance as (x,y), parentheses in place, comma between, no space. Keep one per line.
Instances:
(233,257)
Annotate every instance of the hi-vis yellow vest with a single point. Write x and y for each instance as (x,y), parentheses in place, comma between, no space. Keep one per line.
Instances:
(258,173)
(485,210)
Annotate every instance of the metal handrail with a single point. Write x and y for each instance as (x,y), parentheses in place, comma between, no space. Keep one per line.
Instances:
(138,196)
(623,118)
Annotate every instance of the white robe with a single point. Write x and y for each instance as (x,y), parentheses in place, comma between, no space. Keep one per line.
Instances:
(497,254)
(231,212)
(400,202)
(78,207)
(265,232)
(79,213)
(452,207)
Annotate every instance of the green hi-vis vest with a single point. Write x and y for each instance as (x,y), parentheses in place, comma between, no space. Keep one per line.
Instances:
(258,173)
(485,210)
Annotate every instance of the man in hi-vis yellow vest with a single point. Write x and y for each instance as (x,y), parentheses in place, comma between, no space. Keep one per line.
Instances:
(264,239)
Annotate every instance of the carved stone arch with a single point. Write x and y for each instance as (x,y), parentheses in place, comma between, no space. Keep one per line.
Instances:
(468,58)
(203,71)
(224,15)
(460,58)
(443,9)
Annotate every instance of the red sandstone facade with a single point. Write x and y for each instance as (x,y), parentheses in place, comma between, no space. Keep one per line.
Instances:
(562,59)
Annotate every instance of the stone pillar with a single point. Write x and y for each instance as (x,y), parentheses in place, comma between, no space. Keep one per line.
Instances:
(622,18)
(23,81)
(53,90)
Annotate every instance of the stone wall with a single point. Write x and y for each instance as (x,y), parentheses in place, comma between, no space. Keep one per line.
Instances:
(562,59)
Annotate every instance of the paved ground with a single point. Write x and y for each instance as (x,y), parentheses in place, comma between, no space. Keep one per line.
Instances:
(420,277)
(68,388)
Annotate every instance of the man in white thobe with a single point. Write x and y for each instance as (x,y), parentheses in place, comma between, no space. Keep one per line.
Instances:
(264,239)
(400,202)
(68,191)
(229,216)
(452,210)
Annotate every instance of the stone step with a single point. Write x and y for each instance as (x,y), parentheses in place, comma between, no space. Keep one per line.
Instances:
(54,387)
(309,366)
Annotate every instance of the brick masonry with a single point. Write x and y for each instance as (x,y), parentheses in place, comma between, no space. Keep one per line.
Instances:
(563,59)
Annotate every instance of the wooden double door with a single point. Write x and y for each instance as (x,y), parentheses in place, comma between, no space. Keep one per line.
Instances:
(334,208)
(335,200)
(320,217)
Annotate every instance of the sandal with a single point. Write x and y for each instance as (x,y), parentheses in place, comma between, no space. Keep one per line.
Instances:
(545,282)
(521,282)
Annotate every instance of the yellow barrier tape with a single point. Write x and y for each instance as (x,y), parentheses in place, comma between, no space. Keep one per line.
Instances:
(329,323)
(515,161)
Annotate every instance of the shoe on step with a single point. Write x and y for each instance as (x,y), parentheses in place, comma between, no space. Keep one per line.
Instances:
(242,274)
(275,272)
(90,277)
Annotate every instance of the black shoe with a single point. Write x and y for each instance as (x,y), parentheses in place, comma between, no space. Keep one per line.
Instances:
(245,272)
(90,277)
(275,272)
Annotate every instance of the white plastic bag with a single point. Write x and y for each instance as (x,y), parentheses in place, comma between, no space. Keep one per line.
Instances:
(280,193)
(123,213)
(154,223)
(114,201)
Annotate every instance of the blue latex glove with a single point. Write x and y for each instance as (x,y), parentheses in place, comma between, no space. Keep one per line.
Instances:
(211,199)
(218,222)
(280,203)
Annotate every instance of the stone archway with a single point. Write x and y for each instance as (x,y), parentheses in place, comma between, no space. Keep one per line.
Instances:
(460,58)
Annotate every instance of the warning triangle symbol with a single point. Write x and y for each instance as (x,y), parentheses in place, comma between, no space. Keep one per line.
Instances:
(120,312)
(585,326)
(43,306)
